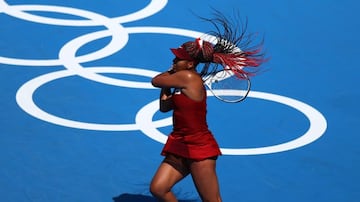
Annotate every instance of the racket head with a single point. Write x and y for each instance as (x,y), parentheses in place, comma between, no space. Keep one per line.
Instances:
(228,87)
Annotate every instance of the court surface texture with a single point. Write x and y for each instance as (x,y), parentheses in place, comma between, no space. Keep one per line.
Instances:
(80,121)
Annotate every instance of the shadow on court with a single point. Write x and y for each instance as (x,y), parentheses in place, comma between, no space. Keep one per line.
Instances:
(140,198)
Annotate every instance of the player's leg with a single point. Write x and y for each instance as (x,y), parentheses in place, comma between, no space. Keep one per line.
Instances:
(205,180)
(170,171)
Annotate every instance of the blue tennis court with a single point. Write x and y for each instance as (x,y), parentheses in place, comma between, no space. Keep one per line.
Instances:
(80,121)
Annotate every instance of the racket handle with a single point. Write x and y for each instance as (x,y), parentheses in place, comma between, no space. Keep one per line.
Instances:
(171,70)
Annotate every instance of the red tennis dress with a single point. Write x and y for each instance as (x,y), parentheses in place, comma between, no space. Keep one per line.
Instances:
(190,137)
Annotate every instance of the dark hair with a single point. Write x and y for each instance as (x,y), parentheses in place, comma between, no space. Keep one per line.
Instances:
(232,48)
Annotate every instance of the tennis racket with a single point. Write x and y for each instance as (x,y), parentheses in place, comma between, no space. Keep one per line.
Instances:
(228,87)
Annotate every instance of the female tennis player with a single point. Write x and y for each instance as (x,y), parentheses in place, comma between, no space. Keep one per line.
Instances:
(191,147)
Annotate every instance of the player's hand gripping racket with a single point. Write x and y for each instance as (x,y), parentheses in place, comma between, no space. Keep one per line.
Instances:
(228,87)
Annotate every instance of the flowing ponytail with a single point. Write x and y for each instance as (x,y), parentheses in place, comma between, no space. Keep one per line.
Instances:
(230,47)
(233,49)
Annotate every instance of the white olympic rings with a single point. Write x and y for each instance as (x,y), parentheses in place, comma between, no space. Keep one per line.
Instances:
(119,38)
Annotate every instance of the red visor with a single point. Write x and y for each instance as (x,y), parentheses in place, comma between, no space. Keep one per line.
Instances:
(181,54)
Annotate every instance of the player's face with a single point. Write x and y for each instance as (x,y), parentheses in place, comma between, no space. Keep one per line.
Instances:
(179,64)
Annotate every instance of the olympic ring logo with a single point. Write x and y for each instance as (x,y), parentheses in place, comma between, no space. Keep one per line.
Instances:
(119,38)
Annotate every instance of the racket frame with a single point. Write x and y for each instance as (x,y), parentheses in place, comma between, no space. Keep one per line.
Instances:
(214,77)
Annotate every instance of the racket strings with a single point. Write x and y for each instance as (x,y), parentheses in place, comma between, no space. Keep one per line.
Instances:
(228,87)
